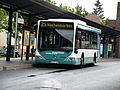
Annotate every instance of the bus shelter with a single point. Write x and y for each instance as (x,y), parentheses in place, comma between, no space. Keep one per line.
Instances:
(44,10)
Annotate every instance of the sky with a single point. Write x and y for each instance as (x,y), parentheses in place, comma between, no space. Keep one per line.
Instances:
(109,6)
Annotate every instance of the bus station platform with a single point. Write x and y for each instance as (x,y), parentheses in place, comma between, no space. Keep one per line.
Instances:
(15,63)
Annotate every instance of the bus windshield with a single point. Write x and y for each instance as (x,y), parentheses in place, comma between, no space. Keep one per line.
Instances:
(55,39)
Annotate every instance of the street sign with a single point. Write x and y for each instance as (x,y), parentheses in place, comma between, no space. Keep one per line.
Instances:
(26,38)
(20,20)
(32,39)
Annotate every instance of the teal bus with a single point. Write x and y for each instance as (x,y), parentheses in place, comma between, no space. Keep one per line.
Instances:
(65,41)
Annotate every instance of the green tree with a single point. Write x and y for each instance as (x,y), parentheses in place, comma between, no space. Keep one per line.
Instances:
(3,19)
(77,10)
(68,8)
(104,21)
(50,1)
(98,10)
(80,11)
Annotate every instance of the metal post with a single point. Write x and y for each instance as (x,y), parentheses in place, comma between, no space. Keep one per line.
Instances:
(103,46)
(22,45)
(32,51)
(15,33)
(28,47)
(27,52)
(9,36)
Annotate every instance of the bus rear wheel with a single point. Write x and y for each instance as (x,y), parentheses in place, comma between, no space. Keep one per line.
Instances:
(94,60)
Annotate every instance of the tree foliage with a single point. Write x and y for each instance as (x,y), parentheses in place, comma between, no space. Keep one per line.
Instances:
(4,16)
(80,11)
(104,21)
(68,8)
(50,1)
(77,10)
(98,10)
(3,19)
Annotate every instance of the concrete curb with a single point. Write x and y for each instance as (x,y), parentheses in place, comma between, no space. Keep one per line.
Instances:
(1,68)
(109,60)
(14,67)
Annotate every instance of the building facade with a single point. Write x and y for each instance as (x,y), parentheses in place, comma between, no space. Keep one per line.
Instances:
(115,24)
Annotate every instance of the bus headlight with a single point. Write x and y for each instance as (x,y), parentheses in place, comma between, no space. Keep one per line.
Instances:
(39,57)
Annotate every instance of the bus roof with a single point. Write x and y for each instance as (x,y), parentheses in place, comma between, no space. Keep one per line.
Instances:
(89,28)
(77,23)
(66,20)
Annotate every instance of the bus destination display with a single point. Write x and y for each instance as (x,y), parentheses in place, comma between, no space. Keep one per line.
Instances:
(57,25)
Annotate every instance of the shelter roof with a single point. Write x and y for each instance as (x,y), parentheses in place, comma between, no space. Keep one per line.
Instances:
(43,9)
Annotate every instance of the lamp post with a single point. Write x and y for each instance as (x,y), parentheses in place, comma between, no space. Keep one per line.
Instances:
(20,21)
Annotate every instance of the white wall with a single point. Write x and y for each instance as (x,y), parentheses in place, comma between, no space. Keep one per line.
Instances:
(3,39)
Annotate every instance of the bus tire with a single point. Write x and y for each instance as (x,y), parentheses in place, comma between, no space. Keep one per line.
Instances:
(82,60)
(94,58)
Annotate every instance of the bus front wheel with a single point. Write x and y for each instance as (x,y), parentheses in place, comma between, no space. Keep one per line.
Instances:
(82,60)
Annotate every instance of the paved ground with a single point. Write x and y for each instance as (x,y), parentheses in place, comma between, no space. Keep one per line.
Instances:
(103,76)
(15,63)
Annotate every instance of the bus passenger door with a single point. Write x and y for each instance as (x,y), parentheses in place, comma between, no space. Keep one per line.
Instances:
(78,39)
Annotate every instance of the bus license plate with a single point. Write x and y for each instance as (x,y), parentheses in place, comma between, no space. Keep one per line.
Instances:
(54,62)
